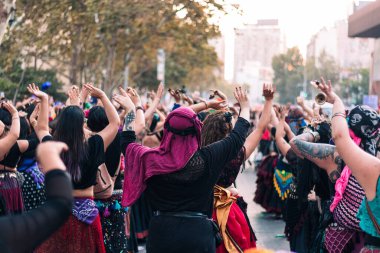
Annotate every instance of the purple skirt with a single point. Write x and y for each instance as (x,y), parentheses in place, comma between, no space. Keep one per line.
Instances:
(10,191)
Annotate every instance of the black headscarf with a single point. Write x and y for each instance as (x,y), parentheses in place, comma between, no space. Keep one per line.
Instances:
(365,122)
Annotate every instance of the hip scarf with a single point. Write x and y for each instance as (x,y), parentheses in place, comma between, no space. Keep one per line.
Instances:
(232,223)
(84,209)
(30,166)
(282,180)
(223,200)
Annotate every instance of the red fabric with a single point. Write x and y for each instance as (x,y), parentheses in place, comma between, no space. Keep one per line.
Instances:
(172,155)
(10,190)
(238,228)
(75,237)
(266,135)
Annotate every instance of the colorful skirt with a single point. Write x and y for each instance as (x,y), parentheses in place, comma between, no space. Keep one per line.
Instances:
(239,231)
(264,190)
(112,220)
(33,189)
(75,237)
(10,192)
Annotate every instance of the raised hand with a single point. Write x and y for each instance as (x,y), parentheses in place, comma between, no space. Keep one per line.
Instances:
(122,91)
(327,89)
(176,95)
(135,97)
(241,97)
(84,93)
(125,102)
(48,155)
(74,96)
(218,93)
(284,110)
(217,104)
(300,101)
(187,99)
(95,92)
(34,115)
(10,108)
(268,91)
(160,91)
(33,89)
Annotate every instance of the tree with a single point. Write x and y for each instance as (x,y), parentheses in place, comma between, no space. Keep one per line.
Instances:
(10,79)
(6,9)
(288,74)
(355,86)
(326,66)
(96,40)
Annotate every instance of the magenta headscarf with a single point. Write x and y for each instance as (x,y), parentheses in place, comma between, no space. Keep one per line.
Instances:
(341,183)
(181,139)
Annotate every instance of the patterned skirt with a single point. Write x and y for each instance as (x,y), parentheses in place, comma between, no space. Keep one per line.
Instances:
(33,189)
(75,237)
(264,190)
(112,220)
(10,192)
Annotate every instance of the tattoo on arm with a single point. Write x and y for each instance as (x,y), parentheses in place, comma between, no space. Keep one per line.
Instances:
(313,150)
(131,116)
(334,175)
(338,161)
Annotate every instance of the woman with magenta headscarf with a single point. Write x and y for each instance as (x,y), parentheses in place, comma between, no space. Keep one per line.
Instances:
(178,177)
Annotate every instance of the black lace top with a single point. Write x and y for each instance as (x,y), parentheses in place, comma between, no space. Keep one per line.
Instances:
(191,188)
(231,170)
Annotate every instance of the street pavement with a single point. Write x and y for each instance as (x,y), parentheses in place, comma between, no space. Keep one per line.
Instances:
(269,230)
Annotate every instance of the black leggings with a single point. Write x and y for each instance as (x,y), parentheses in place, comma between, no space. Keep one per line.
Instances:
(177,234)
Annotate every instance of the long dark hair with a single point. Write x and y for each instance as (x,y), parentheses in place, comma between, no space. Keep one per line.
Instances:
(69,130)
(216,127)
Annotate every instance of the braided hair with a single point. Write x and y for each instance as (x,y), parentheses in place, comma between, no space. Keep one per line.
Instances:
(216,127)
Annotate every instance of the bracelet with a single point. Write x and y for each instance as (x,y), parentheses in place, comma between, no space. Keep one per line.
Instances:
(140,108)
(205,104)
(15,117)
(316,136)
(339,114)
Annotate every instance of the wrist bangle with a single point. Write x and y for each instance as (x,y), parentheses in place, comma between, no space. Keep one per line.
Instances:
(316,135)
(140,108)
(339,114)
(15,117)
(205,104)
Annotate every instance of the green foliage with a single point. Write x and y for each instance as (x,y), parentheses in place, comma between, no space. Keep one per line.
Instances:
(355,86)
(92,40)
(325,66)
(10,79)
(288,74)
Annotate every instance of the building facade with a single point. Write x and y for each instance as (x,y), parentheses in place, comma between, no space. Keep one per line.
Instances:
(255,46)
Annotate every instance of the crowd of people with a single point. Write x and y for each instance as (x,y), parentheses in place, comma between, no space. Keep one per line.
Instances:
(99,175)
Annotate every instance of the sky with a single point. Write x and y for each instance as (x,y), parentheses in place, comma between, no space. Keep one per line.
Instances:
(298,19)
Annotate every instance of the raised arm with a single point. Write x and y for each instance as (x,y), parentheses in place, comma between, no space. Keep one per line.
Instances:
(254,138)
(10,139)
(128,135)
(365,167)
(219,153)
(156,100)
(323,155)
(109,132)
(139,110)
(42,127)
(305,108)
(281,144)
(24,232)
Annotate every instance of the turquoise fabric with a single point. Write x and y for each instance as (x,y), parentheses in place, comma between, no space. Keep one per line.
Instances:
(366,223)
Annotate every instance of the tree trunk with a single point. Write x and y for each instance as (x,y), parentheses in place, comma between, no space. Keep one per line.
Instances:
(6,7)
